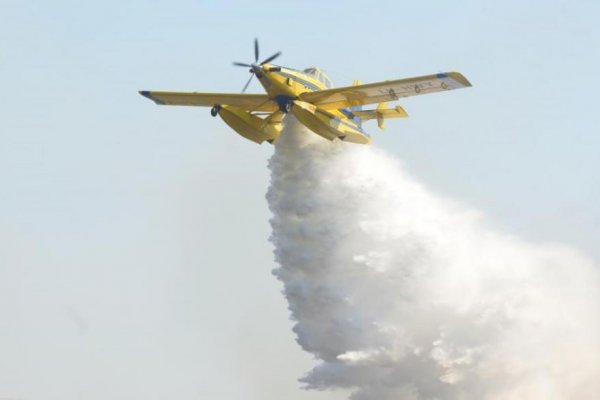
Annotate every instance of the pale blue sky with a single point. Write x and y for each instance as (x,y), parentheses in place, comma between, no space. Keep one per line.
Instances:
(134,259)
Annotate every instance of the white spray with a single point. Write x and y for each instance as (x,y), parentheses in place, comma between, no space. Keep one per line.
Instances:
(403,295)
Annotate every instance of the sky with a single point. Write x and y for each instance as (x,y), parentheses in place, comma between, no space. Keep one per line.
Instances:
(134,259)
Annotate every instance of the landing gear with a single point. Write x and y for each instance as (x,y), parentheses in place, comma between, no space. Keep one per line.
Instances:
(215,110)
(285,103)
(285,107)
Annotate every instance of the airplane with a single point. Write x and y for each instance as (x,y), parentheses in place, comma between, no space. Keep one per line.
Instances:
(333,113)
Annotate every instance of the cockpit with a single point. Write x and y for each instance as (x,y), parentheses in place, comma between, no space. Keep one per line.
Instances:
(320,75)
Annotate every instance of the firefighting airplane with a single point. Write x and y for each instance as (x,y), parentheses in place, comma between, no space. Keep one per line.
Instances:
(309,95)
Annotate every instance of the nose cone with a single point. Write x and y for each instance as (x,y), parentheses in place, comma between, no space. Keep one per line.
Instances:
(257,69)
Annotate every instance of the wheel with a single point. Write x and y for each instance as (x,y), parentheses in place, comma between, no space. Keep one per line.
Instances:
(215,110)
(287,107)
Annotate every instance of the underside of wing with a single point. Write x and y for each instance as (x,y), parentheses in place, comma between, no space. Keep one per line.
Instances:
(384,91)
(252,102)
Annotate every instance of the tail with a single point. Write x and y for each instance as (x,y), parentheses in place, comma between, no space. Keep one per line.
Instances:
(381,114)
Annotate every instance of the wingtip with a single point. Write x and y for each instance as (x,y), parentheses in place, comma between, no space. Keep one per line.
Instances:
(148,94)
(457,76)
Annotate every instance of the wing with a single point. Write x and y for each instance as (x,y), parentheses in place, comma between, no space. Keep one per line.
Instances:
(254,102)
(384,91)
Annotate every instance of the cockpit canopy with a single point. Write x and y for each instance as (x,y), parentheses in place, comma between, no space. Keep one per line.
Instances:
(320,75)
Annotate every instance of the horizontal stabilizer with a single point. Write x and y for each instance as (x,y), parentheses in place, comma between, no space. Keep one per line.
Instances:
(381,113)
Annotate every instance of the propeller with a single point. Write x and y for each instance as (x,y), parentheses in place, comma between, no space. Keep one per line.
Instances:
(255,64)
(247,83)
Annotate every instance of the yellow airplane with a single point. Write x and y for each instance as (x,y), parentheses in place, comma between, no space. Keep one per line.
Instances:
(309,95)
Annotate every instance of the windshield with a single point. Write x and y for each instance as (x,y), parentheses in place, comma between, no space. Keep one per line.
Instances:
(320,75)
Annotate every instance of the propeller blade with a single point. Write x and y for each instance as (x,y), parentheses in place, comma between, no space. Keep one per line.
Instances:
(239,64)
(247,83)
(255,49)
(274,56)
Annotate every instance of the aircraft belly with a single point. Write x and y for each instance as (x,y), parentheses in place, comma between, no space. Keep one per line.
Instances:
(327,126)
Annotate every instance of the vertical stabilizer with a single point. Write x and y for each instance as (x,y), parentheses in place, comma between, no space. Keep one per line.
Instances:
(357,82)
(380,117)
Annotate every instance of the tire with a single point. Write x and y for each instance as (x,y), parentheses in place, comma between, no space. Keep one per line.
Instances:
(215,110)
